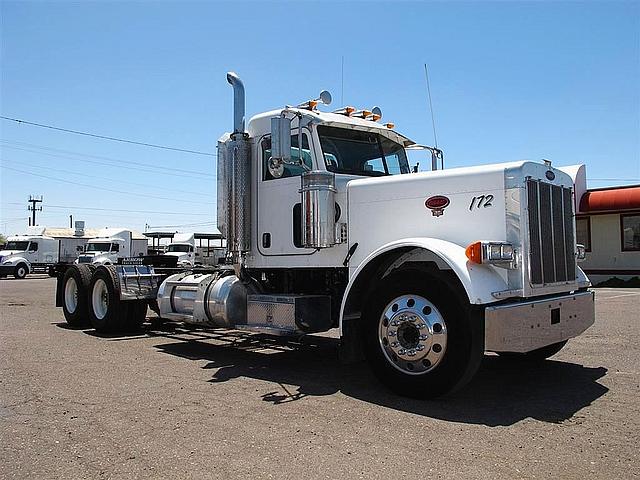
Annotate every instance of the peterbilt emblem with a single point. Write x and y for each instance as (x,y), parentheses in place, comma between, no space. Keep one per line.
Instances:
(437,204)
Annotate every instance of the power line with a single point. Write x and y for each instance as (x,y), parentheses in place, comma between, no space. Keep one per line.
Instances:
(135,194)
(117,210)
(106,137)
(150,167)
(124,182)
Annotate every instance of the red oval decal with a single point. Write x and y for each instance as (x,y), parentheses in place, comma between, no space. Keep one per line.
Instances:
(438,202)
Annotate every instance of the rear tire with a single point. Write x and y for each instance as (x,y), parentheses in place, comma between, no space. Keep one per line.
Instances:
(107,312)
(21,271)
(421,338)
(74,298)
(538,355)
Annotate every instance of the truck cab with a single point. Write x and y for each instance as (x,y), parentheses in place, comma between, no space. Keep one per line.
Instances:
(23,253)
(102,251)
(110,245)
(183,247)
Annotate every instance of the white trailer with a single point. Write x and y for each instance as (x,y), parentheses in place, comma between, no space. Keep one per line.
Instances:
(327,227)
(112,244)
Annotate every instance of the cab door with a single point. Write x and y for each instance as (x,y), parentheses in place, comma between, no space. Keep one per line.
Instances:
(32,252)
(279,214)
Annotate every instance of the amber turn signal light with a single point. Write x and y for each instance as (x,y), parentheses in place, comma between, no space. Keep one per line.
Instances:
(474,252)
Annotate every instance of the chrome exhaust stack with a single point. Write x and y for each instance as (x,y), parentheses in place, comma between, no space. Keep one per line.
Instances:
(234,180)
(238,102)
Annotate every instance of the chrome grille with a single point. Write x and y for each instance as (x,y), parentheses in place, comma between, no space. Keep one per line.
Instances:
(551,252)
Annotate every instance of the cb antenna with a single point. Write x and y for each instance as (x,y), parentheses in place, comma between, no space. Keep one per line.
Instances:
(436,153)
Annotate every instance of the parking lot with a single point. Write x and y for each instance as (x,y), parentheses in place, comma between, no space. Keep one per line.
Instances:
(178,403)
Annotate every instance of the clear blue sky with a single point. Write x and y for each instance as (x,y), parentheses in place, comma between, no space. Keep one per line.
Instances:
(509,80)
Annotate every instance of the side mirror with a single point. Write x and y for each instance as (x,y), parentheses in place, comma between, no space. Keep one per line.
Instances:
(281,138)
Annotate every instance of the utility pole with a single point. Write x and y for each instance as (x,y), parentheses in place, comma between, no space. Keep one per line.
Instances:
(33,208)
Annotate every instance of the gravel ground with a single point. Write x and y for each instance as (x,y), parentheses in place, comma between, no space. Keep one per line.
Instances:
(177,403)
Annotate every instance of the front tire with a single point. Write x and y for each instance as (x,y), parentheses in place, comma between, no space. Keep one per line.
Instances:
(422,339)
(21,271)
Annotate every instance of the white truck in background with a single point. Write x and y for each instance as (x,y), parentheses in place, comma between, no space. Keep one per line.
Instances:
(110,245)
(183,246)
(23,254)
(421,272)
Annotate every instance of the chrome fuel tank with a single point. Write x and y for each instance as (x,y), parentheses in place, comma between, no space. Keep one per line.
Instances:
(203,299)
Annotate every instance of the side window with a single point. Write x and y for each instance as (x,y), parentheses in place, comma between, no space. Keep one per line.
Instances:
(289,170)
(630,233)
(33,247)
(115,247)
(375,165)
(583,232)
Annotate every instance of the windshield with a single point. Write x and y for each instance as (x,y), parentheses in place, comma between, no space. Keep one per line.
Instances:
(13,245)
(358,152)
(179,248)
(98,247)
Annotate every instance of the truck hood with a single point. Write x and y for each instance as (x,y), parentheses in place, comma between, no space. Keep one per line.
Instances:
(459,205)
(175,254)
(8,253)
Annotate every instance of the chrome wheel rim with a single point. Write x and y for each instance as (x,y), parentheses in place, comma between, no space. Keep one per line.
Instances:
(412,334)
(22,272)
(100,299)
(71,295)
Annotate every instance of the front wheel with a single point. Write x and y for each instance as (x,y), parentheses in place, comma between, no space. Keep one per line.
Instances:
(422,339)
(21,271)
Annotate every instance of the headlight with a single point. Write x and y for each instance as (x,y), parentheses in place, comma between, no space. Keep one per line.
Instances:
(499,254)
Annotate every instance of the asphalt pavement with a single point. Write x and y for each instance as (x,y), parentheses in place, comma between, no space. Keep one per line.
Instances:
(176,403)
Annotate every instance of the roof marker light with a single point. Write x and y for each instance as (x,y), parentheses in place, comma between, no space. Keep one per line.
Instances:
(324,98)
(345,111)
(362,113)
(376,114)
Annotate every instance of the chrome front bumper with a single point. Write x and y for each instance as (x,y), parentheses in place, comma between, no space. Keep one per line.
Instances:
(527,326)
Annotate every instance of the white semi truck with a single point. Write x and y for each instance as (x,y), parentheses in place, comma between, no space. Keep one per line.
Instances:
(39,249)
(183,247)
(110,245)
(23,254)
(327,227)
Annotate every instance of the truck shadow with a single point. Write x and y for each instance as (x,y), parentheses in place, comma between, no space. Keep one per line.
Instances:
(502,392)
